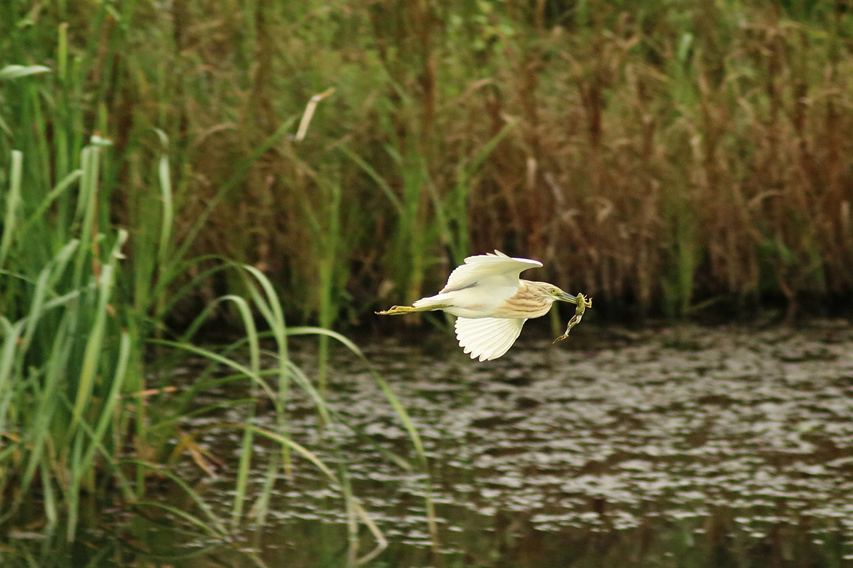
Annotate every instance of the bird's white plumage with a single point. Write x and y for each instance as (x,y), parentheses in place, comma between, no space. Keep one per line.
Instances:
(487,338)
(478,287)
(488,270)
(490,301)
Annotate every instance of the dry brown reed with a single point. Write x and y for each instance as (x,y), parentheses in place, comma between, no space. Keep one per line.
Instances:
(660,157)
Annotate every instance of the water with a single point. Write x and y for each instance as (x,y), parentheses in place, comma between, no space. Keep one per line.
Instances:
(714,446)
(688,447)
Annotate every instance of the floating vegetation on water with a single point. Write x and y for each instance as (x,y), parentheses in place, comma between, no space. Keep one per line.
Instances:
(727,444)
(676,444)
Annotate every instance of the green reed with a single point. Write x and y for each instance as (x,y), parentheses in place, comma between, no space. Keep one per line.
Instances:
(61,339)
(655,154)
(68,450)
(82,300)
(265,302)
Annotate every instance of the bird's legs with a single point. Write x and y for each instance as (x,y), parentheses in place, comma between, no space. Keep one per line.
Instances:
(402,310)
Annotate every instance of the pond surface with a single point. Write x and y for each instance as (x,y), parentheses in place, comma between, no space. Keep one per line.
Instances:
(696,446)
(671,447)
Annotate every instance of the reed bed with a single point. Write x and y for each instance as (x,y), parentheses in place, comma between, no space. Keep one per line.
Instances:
(80,422)
(90,277)
(660,157)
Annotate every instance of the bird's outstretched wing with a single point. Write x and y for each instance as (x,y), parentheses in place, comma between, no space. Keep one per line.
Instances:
(499,267)
(487,338)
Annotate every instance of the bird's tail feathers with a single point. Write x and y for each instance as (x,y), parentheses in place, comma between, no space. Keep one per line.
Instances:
(432,302)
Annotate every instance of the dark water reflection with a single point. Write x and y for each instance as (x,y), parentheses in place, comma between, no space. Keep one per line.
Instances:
(705,447)
(690,447)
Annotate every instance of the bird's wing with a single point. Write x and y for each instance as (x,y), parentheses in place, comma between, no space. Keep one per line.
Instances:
(499,267)
(487,338)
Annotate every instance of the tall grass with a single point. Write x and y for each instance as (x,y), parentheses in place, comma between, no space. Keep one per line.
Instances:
(656,158)
(81,301)
(60,400)
(66,357)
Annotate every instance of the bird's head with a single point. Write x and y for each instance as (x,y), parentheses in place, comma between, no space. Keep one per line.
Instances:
(551,294)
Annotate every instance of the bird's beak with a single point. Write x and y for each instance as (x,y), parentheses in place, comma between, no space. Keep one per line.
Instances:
(566,297)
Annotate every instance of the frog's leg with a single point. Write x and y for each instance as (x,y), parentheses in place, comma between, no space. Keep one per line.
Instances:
(582,305)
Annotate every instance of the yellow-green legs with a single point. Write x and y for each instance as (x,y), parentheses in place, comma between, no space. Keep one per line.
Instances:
(582,305)
(402,310)
(398,311)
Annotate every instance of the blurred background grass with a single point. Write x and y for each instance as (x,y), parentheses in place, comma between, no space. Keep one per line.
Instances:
(659,155)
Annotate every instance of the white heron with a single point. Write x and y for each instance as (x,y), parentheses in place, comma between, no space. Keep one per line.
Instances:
(491,303)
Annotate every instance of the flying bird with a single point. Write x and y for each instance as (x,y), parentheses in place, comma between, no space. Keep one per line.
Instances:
(491,303)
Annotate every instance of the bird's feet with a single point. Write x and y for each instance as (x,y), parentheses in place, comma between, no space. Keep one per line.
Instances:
(398,311)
